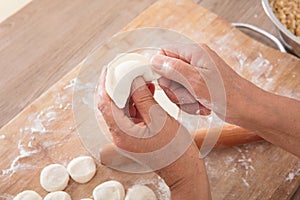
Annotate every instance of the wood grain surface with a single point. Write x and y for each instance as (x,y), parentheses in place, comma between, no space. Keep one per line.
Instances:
(47,39)
(37,49)
(257,171)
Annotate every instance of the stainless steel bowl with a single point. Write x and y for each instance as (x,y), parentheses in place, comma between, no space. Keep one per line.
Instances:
(289,40)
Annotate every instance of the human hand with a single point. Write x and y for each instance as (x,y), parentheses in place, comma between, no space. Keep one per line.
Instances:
(147,128)
(192,74)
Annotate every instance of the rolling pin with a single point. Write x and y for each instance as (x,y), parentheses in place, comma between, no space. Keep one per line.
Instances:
(230,136)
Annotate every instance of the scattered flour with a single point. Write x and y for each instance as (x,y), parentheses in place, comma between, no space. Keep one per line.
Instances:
(239,164)
(68,106)
(261,72)
(293,173)
(260,69)
(23,153)
(37,125)
(162,189)
(88,93)
(70,84)
(241,57)
(61,101)
(39,121)
(6,197)
(244,162)
(245,182)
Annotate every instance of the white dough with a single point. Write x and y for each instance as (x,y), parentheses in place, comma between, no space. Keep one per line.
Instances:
(28,195)
(54,177)
(122,71)
(59,195)
(82,169)
(162,99)
(140,192)
(109,190)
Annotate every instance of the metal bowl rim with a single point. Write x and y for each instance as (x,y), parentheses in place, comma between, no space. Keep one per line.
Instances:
(277,23)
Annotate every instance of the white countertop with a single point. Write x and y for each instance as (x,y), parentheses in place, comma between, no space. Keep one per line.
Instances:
(9,7)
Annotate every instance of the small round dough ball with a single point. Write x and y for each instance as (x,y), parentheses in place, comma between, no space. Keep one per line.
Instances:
(109,190)
(60,195)
(140,192)
(82,169)
(54,177)
(28,195)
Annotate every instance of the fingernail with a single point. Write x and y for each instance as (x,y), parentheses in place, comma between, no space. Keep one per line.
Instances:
(157,62)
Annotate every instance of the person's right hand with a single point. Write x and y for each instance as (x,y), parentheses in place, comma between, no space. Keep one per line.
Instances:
(189,70)
(184,69)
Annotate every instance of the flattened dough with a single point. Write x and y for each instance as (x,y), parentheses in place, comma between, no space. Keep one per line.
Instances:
(54,177)
(59,195)
(109,190)
(82,169)
(28,195)
(122,71)
(140,192)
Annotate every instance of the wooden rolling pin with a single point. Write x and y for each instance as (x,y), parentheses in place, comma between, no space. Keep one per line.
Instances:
(230,136)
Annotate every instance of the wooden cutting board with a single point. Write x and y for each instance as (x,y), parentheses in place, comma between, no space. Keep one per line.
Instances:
(45,132)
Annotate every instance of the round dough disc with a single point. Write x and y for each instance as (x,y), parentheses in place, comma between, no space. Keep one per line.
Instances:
(109,190)
(140,192)
(54,177)
(60,195)
(28,195)
(82,169)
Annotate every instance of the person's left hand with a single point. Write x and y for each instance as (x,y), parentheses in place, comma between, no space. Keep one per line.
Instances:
(146,128)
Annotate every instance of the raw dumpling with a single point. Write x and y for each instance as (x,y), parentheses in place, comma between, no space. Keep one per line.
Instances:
(28,195)
(109,190)
(82,169)
(59,195)
(54,177)
(140,192)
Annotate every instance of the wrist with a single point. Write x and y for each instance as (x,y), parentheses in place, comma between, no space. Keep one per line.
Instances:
(253,107)
(187,177)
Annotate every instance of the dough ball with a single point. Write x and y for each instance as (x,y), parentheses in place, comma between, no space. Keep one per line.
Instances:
(121,71)
(82,169)
(28,195)
(86,199)
(109,190)
(59,195)
(140,192)
(54,177)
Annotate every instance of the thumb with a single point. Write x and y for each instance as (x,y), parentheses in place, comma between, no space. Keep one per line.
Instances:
(143,99)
